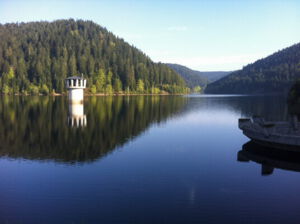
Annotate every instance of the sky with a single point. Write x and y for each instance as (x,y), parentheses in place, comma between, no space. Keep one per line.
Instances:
(211,35)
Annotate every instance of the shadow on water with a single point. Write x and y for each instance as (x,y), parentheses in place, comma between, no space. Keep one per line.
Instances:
(47,128)
(269,158)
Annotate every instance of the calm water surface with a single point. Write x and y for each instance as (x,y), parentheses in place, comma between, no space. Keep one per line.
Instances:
(142,160)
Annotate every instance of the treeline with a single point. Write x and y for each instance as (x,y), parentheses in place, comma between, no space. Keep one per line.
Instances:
(36,57)
(272,74)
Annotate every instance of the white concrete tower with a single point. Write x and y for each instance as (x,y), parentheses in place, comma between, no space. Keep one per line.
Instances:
(75,86)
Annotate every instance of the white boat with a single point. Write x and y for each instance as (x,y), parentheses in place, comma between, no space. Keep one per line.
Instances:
(281,135)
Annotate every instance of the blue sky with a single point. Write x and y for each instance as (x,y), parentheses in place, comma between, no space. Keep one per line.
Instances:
(204,35)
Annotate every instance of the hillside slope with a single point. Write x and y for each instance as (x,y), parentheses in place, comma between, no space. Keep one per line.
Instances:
(215,75)
(196,78)
(38,56)
(192,78)
(273,74)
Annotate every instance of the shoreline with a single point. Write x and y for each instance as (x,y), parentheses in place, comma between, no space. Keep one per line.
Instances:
(103,94)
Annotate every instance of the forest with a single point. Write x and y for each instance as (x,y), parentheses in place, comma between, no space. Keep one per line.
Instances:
(273,74)
(36,57)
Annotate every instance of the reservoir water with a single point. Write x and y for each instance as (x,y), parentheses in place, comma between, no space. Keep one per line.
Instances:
(142,159)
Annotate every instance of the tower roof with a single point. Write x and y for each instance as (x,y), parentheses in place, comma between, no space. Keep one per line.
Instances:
(75,77)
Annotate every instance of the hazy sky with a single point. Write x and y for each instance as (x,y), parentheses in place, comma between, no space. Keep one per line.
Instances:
(203,35)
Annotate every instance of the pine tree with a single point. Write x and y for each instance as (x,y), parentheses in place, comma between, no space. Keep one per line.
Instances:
(117,85)
(100,81)
(140,86)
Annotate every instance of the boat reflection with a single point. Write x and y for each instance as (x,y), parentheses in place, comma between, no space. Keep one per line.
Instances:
(269,158)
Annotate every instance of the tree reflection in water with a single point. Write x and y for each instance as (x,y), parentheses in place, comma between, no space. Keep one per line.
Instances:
(37,128)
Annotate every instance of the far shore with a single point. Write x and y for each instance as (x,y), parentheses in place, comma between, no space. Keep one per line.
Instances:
(103,94)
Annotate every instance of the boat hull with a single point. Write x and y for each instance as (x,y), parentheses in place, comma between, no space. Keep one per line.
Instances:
(276,135)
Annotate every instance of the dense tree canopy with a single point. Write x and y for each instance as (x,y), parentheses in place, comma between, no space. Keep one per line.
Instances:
(36,57)
(275,73)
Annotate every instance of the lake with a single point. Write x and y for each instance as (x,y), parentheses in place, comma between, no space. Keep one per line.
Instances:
(142,159)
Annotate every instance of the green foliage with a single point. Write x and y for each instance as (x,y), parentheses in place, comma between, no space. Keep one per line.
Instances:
(175,89)
(93,89)
(45,53)
(155,90)
(275,73)
(11,74)
(8,82)
(197,89)
(100,81)
(127,90)
(6,89)
(118,85)
(109,90)
(140,86)
(33,89)
(109,78)
(44,89)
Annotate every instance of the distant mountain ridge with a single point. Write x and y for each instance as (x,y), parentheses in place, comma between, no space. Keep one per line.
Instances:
(196,78)
(192,78)
(273,74)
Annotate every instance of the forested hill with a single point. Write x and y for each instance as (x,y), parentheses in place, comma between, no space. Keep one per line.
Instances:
(193,78)
(213,76)
(273,74)
(36,57)
(196,78)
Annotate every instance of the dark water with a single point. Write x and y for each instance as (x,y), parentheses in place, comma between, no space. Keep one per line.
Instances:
(142,160)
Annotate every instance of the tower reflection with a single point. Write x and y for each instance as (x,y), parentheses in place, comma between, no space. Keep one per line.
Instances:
(76,116)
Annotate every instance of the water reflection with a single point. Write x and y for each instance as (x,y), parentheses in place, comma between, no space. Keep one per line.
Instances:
(270,107)
(269,158)
(35,127)
(185,161)
(76,117)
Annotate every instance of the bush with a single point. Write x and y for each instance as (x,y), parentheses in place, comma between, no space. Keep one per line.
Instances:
(109,89)
(44,89)
(33,89)
(6,89)
(197,89)
(93,89)
(155,90)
